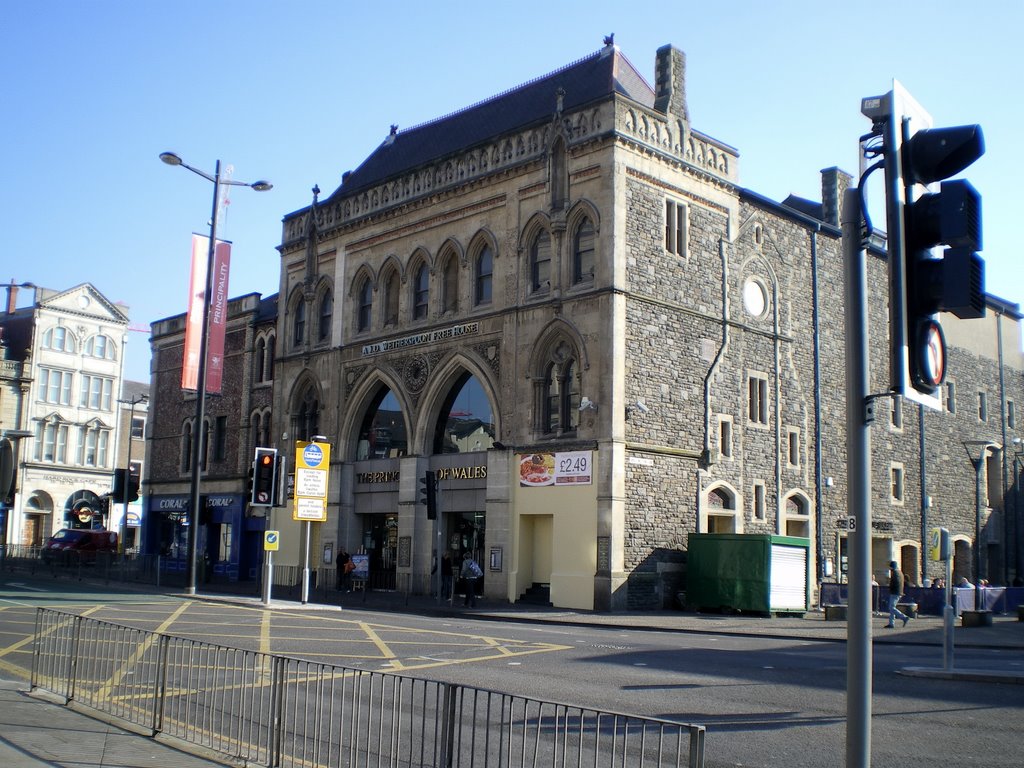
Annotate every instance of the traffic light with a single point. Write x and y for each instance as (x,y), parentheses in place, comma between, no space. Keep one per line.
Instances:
(264,480)
(428,493)
(117,490)
(918,218)
(133,479)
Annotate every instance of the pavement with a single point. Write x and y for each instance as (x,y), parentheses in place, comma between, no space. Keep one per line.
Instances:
(37,730)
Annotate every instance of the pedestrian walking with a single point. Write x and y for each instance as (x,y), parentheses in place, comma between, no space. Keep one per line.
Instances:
(470,573)
(895,593)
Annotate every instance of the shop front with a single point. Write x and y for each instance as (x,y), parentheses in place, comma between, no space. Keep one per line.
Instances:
(227,545)
(401,544)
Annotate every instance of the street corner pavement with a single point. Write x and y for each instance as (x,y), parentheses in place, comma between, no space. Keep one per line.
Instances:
(36,732)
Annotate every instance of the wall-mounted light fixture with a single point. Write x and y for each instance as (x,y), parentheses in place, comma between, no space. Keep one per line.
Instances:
(640,406)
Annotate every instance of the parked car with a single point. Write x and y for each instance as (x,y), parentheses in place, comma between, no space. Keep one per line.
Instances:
(74,545)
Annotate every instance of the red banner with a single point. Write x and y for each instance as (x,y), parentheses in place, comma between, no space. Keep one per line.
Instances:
(218,315)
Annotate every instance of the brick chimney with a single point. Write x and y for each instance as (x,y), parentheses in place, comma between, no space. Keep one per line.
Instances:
(834,183)
(670,82)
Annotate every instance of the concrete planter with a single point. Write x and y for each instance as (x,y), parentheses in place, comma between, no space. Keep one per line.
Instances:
(976,618)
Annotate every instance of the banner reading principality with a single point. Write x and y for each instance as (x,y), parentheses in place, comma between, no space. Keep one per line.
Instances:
(218,315)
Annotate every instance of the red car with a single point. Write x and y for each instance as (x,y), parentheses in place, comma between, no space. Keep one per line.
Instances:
(74,545)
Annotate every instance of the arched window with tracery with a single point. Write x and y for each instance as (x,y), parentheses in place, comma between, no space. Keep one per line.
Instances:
(558,397)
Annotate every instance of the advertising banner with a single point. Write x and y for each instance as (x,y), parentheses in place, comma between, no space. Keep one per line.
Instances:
(218,315)
(566,468)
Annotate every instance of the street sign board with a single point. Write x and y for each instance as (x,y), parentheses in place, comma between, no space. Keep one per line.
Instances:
(312,464)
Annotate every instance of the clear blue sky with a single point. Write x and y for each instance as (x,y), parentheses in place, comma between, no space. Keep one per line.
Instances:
(298,93)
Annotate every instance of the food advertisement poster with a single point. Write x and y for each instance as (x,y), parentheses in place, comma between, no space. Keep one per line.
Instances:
(546,469)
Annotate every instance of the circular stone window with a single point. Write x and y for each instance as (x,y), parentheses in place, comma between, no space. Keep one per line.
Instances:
(755,298)
(84,301)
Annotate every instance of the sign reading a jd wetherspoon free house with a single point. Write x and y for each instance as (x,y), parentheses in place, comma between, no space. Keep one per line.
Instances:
(312,463)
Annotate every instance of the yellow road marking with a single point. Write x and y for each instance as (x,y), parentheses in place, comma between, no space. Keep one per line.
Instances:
(385,651)
(126,667)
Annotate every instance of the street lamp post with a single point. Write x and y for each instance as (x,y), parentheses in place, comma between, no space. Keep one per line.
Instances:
(983,447)
(197,432)
(1018,445)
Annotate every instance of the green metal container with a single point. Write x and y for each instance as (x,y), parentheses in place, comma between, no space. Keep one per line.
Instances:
(756,573)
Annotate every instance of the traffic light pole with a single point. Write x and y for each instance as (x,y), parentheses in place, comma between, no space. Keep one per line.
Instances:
(858,446)
(439,540)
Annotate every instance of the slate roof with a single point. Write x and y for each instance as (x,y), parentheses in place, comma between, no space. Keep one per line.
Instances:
(586,81)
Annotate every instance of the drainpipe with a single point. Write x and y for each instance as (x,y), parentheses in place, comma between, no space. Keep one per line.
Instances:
(818,472)
(1003,437)
(713,368)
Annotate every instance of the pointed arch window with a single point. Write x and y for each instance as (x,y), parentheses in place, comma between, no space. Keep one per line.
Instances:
(451,285)
(540,263)
(271,351)
(326,315)
(484,276)
(583,252)
(259,360)
(560,393)
(186,447)
(720,511)
(391,299)
(299,323)
(306,419)
(365,304)
(421,293)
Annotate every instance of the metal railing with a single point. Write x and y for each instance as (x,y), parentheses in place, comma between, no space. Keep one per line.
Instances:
(278,711)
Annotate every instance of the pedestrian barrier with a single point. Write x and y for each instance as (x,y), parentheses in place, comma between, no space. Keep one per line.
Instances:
(273,711)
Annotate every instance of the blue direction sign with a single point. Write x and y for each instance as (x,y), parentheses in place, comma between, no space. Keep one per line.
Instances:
(271,541)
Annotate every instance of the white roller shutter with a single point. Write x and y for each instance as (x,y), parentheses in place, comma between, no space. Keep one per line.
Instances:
(789,578)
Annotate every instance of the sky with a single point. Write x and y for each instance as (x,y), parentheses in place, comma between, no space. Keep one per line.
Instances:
(297,93)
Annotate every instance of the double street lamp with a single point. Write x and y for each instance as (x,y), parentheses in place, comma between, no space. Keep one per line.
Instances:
(198,432)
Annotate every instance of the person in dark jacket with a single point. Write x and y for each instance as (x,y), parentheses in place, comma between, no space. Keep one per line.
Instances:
(895,593)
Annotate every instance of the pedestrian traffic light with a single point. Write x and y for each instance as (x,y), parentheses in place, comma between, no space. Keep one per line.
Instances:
(264,480)
(428,493)
(918,218)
